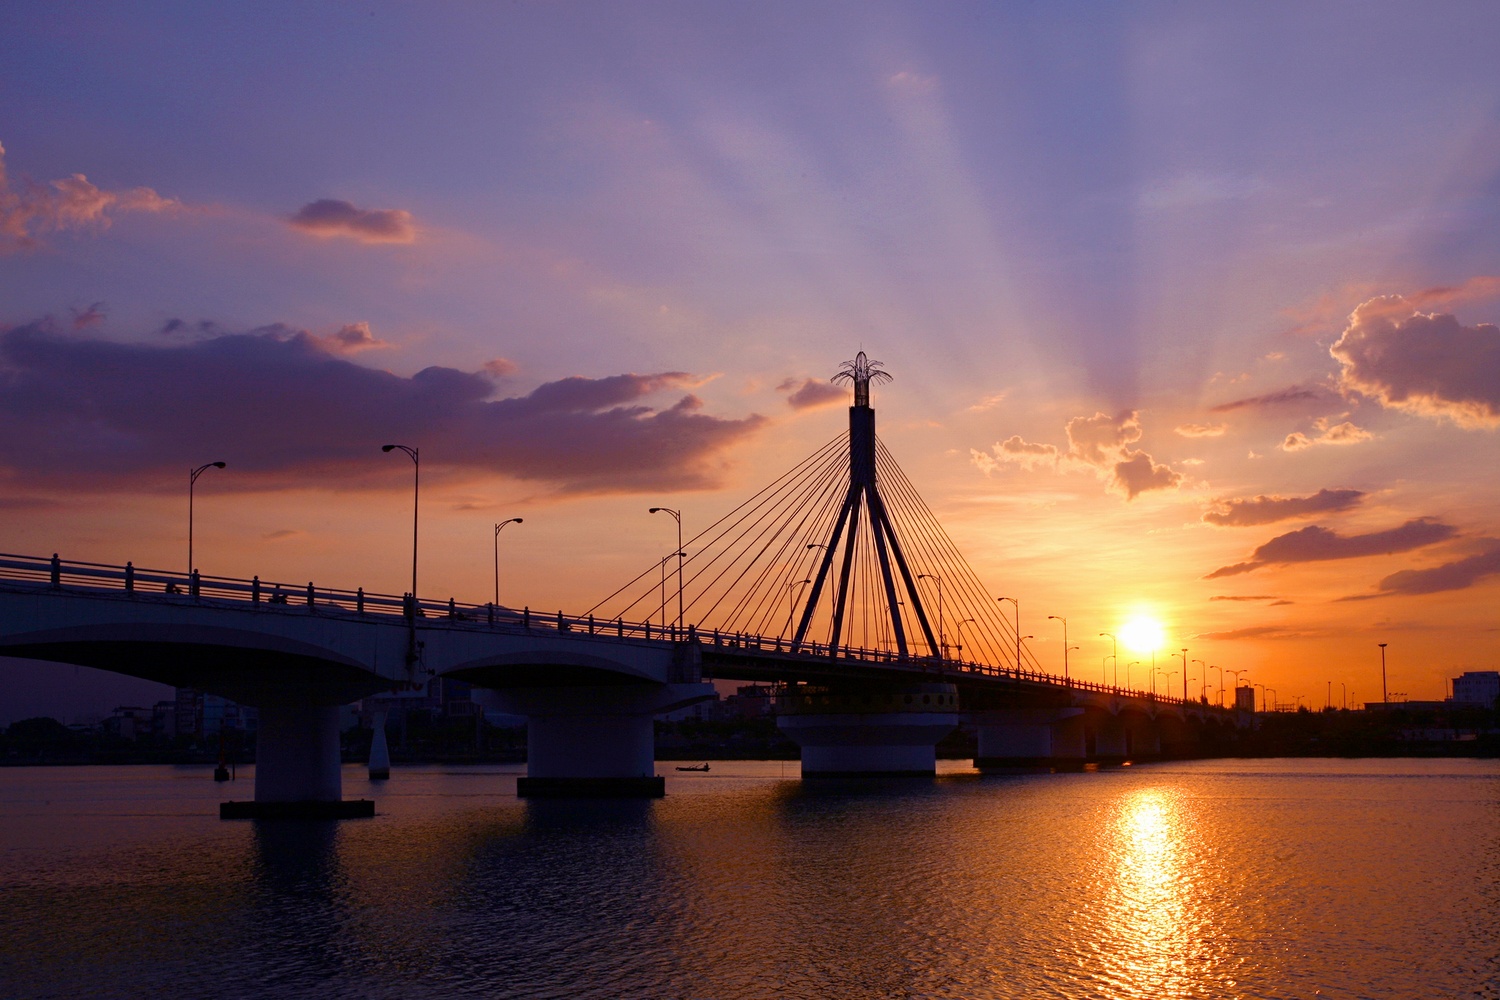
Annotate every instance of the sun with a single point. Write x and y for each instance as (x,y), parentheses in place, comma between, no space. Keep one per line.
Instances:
(1142,634)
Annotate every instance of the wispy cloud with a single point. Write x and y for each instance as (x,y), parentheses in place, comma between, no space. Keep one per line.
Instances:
(1318,544)
(1270,509)
(1272,598)
(1427,364)
(1202,430)
(29,209)
(331,217)
(281,404)
(1282,397)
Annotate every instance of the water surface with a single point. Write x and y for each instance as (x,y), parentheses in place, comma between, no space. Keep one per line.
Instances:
(1270,878)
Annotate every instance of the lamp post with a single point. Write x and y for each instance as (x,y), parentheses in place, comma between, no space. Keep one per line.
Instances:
(676,516)
(1237,683)
(966,621)
(1019,640)
(1065,643)
(1344,699)
(1184,676)
(1385,698)
(193,475)
(1203,690)
(1262,694)
(509,520)
(1018,627)
(1272,692)
(1215,666)
(942,637)
(1168,674)
(1115,653)
(791,600)
(416,495)
(1127,673)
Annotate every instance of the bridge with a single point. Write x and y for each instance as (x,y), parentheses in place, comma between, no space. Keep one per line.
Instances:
(867,678)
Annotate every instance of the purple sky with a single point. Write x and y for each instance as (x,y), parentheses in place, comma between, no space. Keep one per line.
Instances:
(1189,306)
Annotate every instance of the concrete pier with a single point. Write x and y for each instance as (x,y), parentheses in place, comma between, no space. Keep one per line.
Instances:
(868,729)
(297,767)
(1030,739)
(596,741)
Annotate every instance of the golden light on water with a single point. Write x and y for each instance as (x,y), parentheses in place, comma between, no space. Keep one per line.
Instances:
(1148,894)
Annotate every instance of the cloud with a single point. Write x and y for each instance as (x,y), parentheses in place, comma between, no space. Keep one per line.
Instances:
(1482,286)
(83,318)
(1268,510)
(1318,544)
(1253,632)
(1282,397)
(1249,597)
(351,338)
(282,535)
(811,393)
(331,217)
(1344,433)
(1202,430)
(498,368)
(283,406)
(1101,443)
(1458,575)
(69,203)
(1426,364)
(988,403)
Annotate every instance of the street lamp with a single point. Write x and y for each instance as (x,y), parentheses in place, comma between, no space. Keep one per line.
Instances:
(1168,674)
(1203,690)
(1184,676)
(416,495)
(1018,627)
(1115,654)
(942,637)
(1237,683)
(791,600)
(1272,692)
(1065,642)
(1019,640)
(1215,666)
(193,475)
(966,621)
(676,516)
(509,520)
(1127,673)
(1262,694)
(1384,697)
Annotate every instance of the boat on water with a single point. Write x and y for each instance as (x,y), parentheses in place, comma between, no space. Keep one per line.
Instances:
(693,767)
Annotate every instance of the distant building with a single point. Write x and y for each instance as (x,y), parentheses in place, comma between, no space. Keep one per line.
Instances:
(1244,698)
(128,722)
(198,714)
(1477,687)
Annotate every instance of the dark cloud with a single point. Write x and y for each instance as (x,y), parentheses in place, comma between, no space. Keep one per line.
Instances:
(1138,473)
(811,393)
(1253,632)
(84,318)
(1423,363)
(282,405)
(331,217)
(1268,510)
(1318,544)
(1247,597)
(1458,575)
(1294,394)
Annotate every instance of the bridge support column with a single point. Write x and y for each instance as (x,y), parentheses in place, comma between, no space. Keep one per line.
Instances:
(868,729)
(594,742)
(1028,738)
(380,751)
(297,767)
(1112,744)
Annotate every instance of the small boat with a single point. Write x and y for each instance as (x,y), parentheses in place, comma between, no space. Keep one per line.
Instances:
(693,767)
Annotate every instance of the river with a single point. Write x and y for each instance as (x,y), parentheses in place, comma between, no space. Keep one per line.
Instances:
(1224,878)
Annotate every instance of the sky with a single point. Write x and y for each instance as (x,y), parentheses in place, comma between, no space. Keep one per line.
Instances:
(1189,307)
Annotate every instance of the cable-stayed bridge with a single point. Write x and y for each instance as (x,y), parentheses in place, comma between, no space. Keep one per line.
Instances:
(835,583)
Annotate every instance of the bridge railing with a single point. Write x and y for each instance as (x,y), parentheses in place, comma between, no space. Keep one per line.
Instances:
(68,574)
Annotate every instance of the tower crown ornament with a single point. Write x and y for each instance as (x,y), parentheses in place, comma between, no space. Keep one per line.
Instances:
(861,371)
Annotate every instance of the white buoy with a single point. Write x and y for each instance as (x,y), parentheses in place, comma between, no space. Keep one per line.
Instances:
(380,754)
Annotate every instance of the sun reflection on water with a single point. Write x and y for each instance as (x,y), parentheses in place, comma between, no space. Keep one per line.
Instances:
(1151,937)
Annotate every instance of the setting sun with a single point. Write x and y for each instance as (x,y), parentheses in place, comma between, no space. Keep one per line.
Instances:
(1141,634)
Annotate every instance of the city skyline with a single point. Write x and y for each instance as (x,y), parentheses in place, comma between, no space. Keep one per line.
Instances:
(1190,310)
